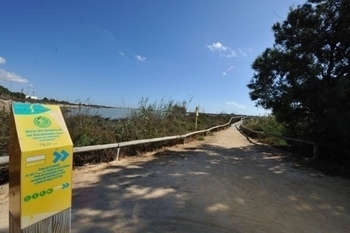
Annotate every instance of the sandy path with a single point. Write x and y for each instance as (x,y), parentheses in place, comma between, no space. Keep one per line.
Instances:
(222,184)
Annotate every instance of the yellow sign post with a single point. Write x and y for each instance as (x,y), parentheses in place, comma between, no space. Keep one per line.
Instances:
(40,167)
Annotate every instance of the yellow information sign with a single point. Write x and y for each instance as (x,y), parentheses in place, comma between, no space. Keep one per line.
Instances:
(41,153)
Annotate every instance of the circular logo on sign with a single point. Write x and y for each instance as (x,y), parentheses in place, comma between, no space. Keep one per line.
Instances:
(42,122)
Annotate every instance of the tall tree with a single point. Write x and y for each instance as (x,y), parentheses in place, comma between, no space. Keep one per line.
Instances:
(305,77)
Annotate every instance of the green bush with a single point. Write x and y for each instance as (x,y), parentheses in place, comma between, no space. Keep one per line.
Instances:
(267,125)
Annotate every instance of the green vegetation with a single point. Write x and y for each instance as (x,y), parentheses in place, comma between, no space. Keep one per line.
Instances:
(305,77)
(149,121)
(7,94)
(267,125)
(4,130)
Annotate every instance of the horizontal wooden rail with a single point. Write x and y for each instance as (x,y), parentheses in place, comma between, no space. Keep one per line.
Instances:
(314,144)
(4,160)
(279,136)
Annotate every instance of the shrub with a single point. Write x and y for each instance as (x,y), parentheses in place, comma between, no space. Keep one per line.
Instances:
(267,125)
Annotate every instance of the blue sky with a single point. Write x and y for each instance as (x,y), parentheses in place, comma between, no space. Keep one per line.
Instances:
(116,52)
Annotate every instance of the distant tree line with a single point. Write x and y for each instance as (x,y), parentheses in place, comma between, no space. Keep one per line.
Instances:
(19,96)
(6,93)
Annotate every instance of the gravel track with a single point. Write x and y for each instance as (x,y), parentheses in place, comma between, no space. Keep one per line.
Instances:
(225,183)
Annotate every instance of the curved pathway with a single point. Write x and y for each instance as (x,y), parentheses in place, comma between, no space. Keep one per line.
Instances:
(222,184)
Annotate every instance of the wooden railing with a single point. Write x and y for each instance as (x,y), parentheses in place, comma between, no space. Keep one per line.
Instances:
(314,144)
(4,160)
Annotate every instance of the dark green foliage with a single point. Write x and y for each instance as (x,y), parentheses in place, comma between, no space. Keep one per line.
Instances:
(4,91)
(18,95)
(304,78)
(54,101)
(88,130)
(4,130)
(7,94)
(267,125)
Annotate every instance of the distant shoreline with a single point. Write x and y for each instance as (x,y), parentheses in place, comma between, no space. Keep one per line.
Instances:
(7,104)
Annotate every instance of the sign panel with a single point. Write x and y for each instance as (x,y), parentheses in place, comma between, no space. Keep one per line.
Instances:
(46,151)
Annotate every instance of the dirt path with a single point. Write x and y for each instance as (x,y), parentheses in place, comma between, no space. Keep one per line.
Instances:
(222,184)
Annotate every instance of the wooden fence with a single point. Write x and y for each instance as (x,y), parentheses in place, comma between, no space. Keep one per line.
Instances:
(314,144)
(4,160)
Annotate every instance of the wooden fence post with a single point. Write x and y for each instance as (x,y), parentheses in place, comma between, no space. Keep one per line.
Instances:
(118,151)
(195,123)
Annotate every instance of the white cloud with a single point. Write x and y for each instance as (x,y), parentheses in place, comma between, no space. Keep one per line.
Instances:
(218,47)
(231,54)
(121,53)
(224,51)
(12,77)
(232,103)
(140,58)
(2,60)
(223,73)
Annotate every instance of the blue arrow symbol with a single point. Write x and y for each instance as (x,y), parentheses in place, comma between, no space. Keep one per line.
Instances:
(57,155)
(65,155)
(60,156)
(65,185)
